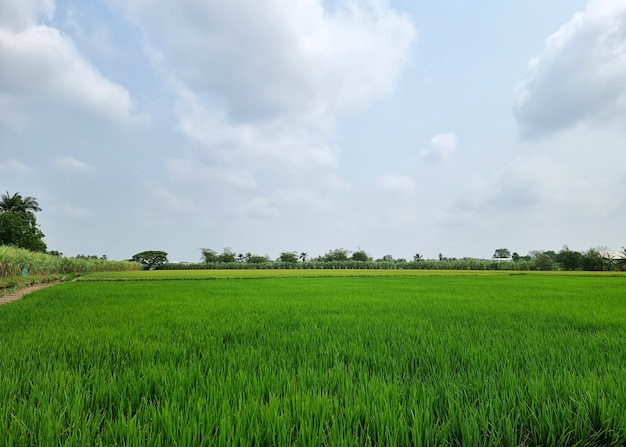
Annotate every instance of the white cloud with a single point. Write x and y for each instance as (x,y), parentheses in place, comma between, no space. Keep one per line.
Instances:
(442,147)
(40,64)
(12,166)
(70,164)
(395,183)
(262,84)
(581,74)
(19,14)
(273,57)
(262,144)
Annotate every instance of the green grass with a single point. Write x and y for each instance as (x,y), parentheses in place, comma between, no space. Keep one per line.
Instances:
(315,273)
(393,360)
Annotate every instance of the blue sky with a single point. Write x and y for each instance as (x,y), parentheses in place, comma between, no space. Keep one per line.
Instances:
(396,127)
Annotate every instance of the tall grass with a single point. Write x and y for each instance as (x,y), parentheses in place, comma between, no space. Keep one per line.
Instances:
(423,360)
(14,260)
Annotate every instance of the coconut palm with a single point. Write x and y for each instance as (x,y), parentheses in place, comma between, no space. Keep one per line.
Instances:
(22,206)
(303,256)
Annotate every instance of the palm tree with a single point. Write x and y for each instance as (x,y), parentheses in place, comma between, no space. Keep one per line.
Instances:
(303,256)
(23,206)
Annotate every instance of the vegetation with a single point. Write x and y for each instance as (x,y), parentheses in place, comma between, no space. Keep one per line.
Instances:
(429,359)
(16,261)
(592,260)
(18,224)
(150,259)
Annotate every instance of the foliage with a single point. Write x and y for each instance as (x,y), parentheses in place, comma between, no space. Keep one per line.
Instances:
(14,260)
(502,253)
(258,259)
(208,255)
(361,255)
(338,254)
(25,207)
(21,232)
(150,259)
(592,260)
(443,360)
(288,257)
(569,260)
(543,261)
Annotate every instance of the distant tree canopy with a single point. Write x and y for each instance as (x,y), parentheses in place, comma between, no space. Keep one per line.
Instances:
(361,255)
(288,256)
(502,253)
(593,259)
(338,254)
(151,258)
(18,224)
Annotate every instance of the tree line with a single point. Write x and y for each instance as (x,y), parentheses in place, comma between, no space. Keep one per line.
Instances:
(19,228)
(566,259)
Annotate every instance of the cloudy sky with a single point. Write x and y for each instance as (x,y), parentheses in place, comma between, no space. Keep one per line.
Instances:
(396,127)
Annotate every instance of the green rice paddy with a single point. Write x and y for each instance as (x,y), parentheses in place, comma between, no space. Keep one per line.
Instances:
(459,360)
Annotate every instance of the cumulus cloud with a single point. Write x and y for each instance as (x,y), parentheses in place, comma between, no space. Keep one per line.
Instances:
(282,140)
(41,64)
(395,183)
(442,147)
(259,59)
(261,84)
(581,74)
(70,164)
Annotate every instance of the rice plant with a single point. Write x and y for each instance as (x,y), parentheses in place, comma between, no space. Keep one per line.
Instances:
(486,360)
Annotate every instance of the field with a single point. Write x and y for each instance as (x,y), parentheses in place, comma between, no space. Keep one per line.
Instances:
(414,359)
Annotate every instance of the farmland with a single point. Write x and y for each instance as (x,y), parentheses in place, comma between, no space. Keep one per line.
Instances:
(324,358)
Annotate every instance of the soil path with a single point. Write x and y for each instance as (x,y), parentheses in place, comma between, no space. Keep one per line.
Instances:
(19,293)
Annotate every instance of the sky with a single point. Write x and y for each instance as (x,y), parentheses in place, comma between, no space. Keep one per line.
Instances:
(396,127)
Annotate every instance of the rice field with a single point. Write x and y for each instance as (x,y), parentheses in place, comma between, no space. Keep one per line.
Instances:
(441,360)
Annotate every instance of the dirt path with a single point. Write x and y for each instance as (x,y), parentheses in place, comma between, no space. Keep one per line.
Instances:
(19,293)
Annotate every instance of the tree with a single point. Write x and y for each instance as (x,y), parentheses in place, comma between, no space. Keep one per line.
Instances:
(150,259)
(360,255)
(543,262)
(569,260)
(258,259)
(621,261)
(303,256)
(18,225)
(21,232)
(418,257)
(502,253)
(339,254)
(25,207)
(228,256)
(288,256)
(208,256)
(592,260)
(515,257)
